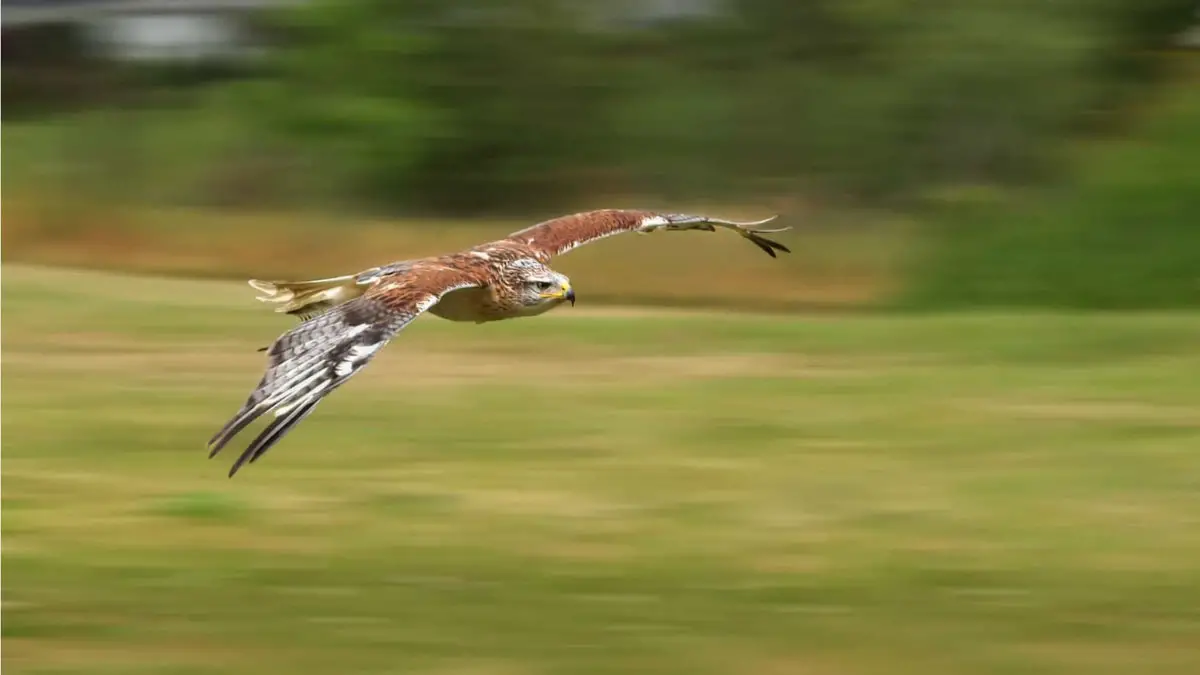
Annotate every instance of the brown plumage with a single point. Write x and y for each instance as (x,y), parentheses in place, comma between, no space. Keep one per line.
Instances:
(347,320)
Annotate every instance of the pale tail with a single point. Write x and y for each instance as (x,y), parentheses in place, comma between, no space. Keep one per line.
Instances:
(306,299)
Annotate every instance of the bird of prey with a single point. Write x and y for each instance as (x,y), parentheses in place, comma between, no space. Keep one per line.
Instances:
(346,320)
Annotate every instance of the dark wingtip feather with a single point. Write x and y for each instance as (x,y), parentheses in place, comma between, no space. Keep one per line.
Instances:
(232,427)
(237,465)
(776,245)
(767,245)
(272,435)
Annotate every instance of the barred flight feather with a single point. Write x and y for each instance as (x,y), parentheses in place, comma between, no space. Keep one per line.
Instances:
(562,234)
(310,361)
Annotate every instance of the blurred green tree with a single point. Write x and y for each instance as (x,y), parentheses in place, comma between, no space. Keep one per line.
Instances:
(475,106)
(458,107)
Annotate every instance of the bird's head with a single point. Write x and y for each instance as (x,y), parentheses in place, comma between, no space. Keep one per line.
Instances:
(539,288)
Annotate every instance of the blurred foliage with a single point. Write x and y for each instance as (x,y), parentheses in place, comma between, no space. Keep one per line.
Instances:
(1123,234)
(474,107)
(420,109)
(468,106)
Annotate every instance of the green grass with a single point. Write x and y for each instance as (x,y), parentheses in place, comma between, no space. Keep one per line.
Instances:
(600,492)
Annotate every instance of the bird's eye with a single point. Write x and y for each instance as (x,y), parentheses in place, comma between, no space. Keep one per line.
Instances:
(544,285)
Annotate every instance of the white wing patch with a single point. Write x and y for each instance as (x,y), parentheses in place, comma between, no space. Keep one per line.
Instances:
(358,354)
(342,369)
(651,223)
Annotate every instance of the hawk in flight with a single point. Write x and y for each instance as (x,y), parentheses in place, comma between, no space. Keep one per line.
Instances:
(346,320)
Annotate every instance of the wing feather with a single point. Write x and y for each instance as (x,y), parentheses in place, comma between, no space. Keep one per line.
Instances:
(276,430)
(310,361)
(560,235)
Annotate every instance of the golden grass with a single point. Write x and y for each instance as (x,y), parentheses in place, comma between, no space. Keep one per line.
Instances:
(836,266)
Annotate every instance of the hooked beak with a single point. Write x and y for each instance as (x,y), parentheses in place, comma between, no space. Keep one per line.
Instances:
(565,292)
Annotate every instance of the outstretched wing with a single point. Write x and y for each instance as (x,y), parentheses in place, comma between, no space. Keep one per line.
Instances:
(311,360)
(557,236)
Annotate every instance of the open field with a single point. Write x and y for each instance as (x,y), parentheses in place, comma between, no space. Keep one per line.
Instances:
(600,492)
(835,262)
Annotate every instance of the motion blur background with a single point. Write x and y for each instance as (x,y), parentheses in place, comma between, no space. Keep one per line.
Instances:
(956,431)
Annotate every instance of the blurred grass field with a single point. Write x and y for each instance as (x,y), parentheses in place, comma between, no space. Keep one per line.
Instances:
(600,491)
(837,261)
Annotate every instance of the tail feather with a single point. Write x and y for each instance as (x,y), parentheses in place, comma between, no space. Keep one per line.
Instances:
(306,299)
